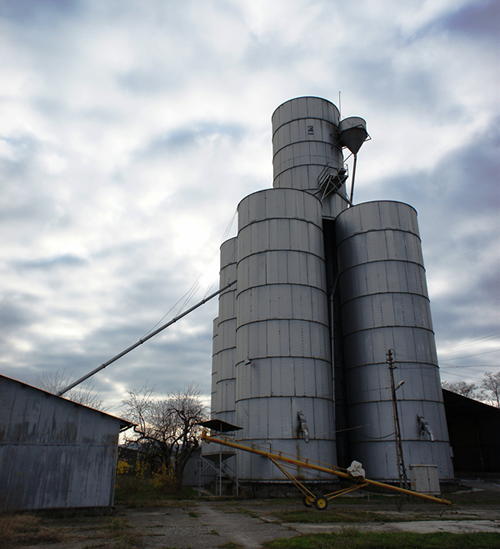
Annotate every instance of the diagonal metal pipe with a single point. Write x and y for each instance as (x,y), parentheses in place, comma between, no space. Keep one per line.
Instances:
(143,340)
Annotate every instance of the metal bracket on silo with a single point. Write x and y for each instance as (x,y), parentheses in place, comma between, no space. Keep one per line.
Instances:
(303,425)
(424,426)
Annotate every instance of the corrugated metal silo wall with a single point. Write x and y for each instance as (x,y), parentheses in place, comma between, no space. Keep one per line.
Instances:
(216,367)
(283,343)
(305,141)
(53,453)
(385,305)
(223,404)
(226,385)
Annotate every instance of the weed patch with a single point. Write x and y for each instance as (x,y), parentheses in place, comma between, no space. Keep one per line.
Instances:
(20,530)
(121,534)
(353,539)
(143,491)
(334,515)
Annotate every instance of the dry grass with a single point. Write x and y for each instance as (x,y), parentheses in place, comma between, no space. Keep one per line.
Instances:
(350,538)
(122,534)
(22,530)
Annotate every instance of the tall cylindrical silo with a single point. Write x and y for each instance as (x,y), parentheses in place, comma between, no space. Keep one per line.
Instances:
(223,370)
(385,305)
(307,152)
(216,340)
(283,368)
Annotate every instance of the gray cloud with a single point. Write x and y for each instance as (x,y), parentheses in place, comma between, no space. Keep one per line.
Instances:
(458,202)
(40,13)
(478,20)
(130,132)
(50,263)
(190,136)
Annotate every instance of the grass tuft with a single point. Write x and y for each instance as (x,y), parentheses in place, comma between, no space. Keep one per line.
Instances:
(122,536)
(353,539)
(332,515)
(19,530)
(133,492)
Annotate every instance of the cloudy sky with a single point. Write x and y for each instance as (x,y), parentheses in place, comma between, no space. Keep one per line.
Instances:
(130,130)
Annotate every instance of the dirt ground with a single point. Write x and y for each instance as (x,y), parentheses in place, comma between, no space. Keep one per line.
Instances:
(211,523)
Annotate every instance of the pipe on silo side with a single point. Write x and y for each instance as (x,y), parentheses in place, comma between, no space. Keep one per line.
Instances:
(283,363)
(385,305)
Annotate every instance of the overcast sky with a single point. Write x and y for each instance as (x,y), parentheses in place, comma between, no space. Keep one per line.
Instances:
(130,130)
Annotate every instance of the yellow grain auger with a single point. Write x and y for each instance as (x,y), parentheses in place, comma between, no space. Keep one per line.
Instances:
(354,474)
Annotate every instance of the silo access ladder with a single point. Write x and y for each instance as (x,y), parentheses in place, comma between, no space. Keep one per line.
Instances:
(309,499)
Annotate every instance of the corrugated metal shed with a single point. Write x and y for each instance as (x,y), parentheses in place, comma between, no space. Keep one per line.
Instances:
(54,453)
(474,434)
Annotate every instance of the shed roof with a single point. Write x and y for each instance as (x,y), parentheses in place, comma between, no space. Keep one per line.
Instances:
(124,424)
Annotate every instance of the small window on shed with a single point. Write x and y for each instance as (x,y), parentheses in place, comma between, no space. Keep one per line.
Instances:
(310,130)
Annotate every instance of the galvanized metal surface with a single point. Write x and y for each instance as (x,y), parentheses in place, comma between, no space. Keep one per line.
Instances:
(216,345)
(353,133)
(283,344)
(385,305)
(54,453)
(279,312)
(305,141)
(302,464)
(223,370)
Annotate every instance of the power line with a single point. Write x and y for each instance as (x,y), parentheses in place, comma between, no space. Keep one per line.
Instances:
(492,336)
(446,366)
(461,376)
(469,356)
(194,288)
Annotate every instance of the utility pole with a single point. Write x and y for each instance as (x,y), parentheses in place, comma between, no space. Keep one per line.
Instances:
(397,429)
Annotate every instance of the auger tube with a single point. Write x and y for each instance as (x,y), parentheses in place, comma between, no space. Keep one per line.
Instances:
(333,470)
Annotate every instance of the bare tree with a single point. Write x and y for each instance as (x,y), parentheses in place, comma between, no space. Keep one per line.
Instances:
(166,428)
(58,381)
(469,390)
(491,387)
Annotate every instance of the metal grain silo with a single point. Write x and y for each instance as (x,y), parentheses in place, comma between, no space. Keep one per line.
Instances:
(283,368)
(385,305)
(223,370)
(307,151)
(216,341)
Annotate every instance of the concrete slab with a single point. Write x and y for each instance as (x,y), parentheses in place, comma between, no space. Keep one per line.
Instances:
(204,527)
(208,525)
